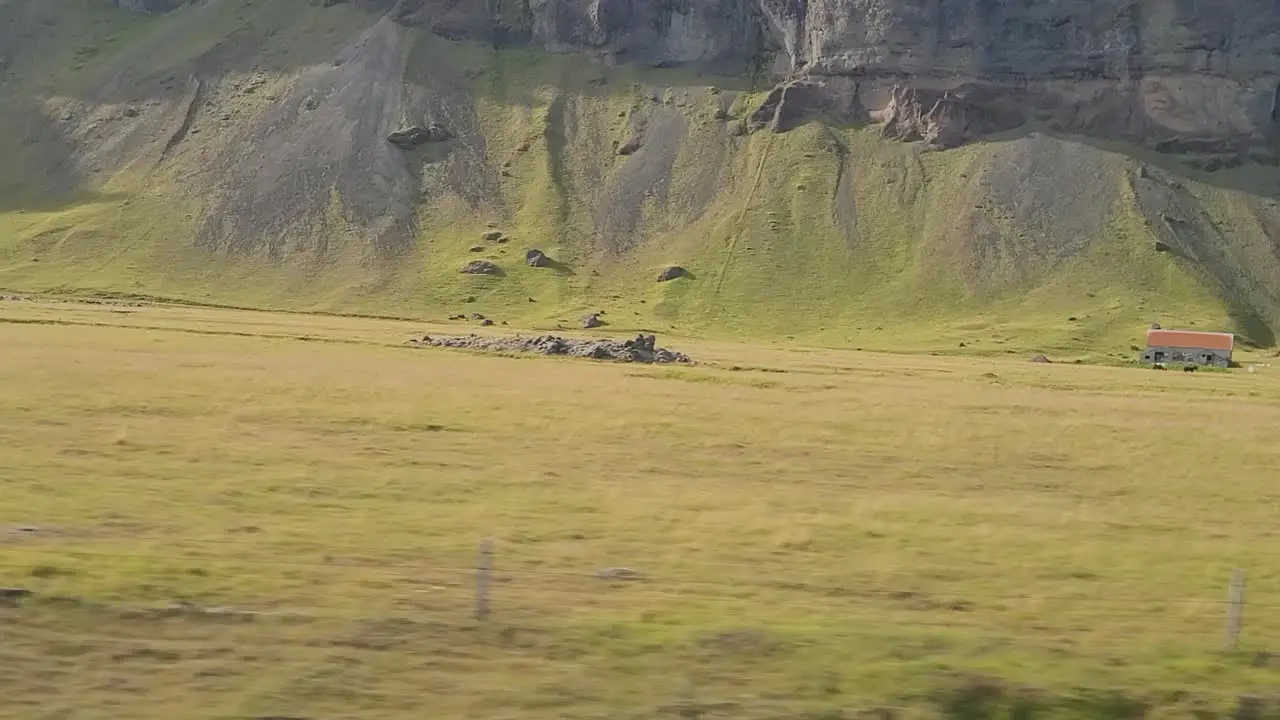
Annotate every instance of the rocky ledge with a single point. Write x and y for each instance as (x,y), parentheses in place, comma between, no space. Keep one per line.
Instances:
(642,349)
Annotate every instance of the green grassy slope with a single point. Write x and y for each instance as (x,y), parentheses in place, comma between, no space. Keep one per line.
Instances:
(824,234)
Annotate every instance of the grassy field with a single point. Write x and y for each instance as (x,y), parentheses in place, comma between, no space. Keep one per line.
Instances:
(228,514)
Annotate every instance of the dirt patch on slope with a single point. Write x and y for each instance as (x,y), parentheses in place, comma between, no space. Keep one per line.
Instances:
(642,180)
(1033,204)
(322,148)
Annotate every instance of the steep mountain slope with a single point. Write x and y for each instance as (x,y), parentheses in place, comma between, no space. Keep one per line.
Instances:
(847,172)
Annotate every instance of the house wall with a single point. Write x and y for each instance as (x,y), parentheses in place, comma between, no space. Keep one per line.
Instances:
(1220,358)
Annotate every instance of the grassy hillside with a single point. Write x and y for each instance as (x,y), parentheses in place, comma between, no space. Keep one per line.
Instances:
(234,153)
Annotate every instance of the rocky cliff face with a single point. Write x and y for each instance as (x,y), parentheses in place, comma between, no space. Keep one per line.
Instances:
(1187,77)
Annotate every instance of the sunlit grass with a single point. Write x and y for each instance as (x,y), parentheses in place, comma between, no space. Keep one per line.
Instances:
(816,531)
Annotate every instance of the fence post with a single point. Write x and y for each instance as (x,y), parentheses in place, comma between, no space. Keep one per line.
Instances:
(1235,609)
(484,568)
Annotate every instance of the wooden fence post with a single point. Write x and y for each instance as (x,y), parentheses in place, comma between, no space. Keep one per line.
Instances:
(1235,610)
(484,568)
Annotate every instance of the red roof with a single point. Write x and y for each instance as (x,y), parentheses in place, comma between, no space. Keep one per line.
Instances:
(1189,339)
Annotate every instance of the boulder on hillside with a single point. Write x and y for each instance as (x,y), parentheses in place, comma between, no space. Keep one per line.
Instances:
(492,236)
(671,273)
(536,258)
(1039,359)
(416,135)
(479,267)
(592,321)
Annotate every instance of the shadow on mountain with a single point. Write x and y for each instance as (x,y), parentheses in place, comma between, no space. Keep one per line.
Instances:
(40,170)
(1253,327)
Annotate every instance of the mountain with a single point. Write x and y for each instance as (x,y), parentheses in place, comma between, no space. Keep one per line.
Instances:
(917,174)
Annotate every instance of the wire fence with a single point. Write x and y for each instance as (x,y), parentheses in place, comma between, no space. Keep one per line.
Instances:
(523,589)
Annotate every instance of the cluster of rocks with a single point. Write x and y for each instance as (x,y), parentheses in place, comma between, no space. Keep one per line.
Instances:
(641,349)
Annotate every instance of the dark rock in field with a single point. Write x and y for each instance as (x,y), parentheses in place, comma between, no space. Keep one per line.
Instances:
(629,148)
(1250,708)
(412,137)
(477,248)
(486,322)
(24,530)
(1155,326)
(643,349)
(592,321)
(503,240)
(671,273)
(522,147)
(477,316)
(469,299)
(619,573)
(1039,359)
(13,593)
(492,236)
(479,267)
(536,258)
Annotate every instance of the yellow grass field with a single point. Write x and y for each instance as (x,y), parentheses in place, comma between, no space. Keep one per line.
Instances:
(227,514)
